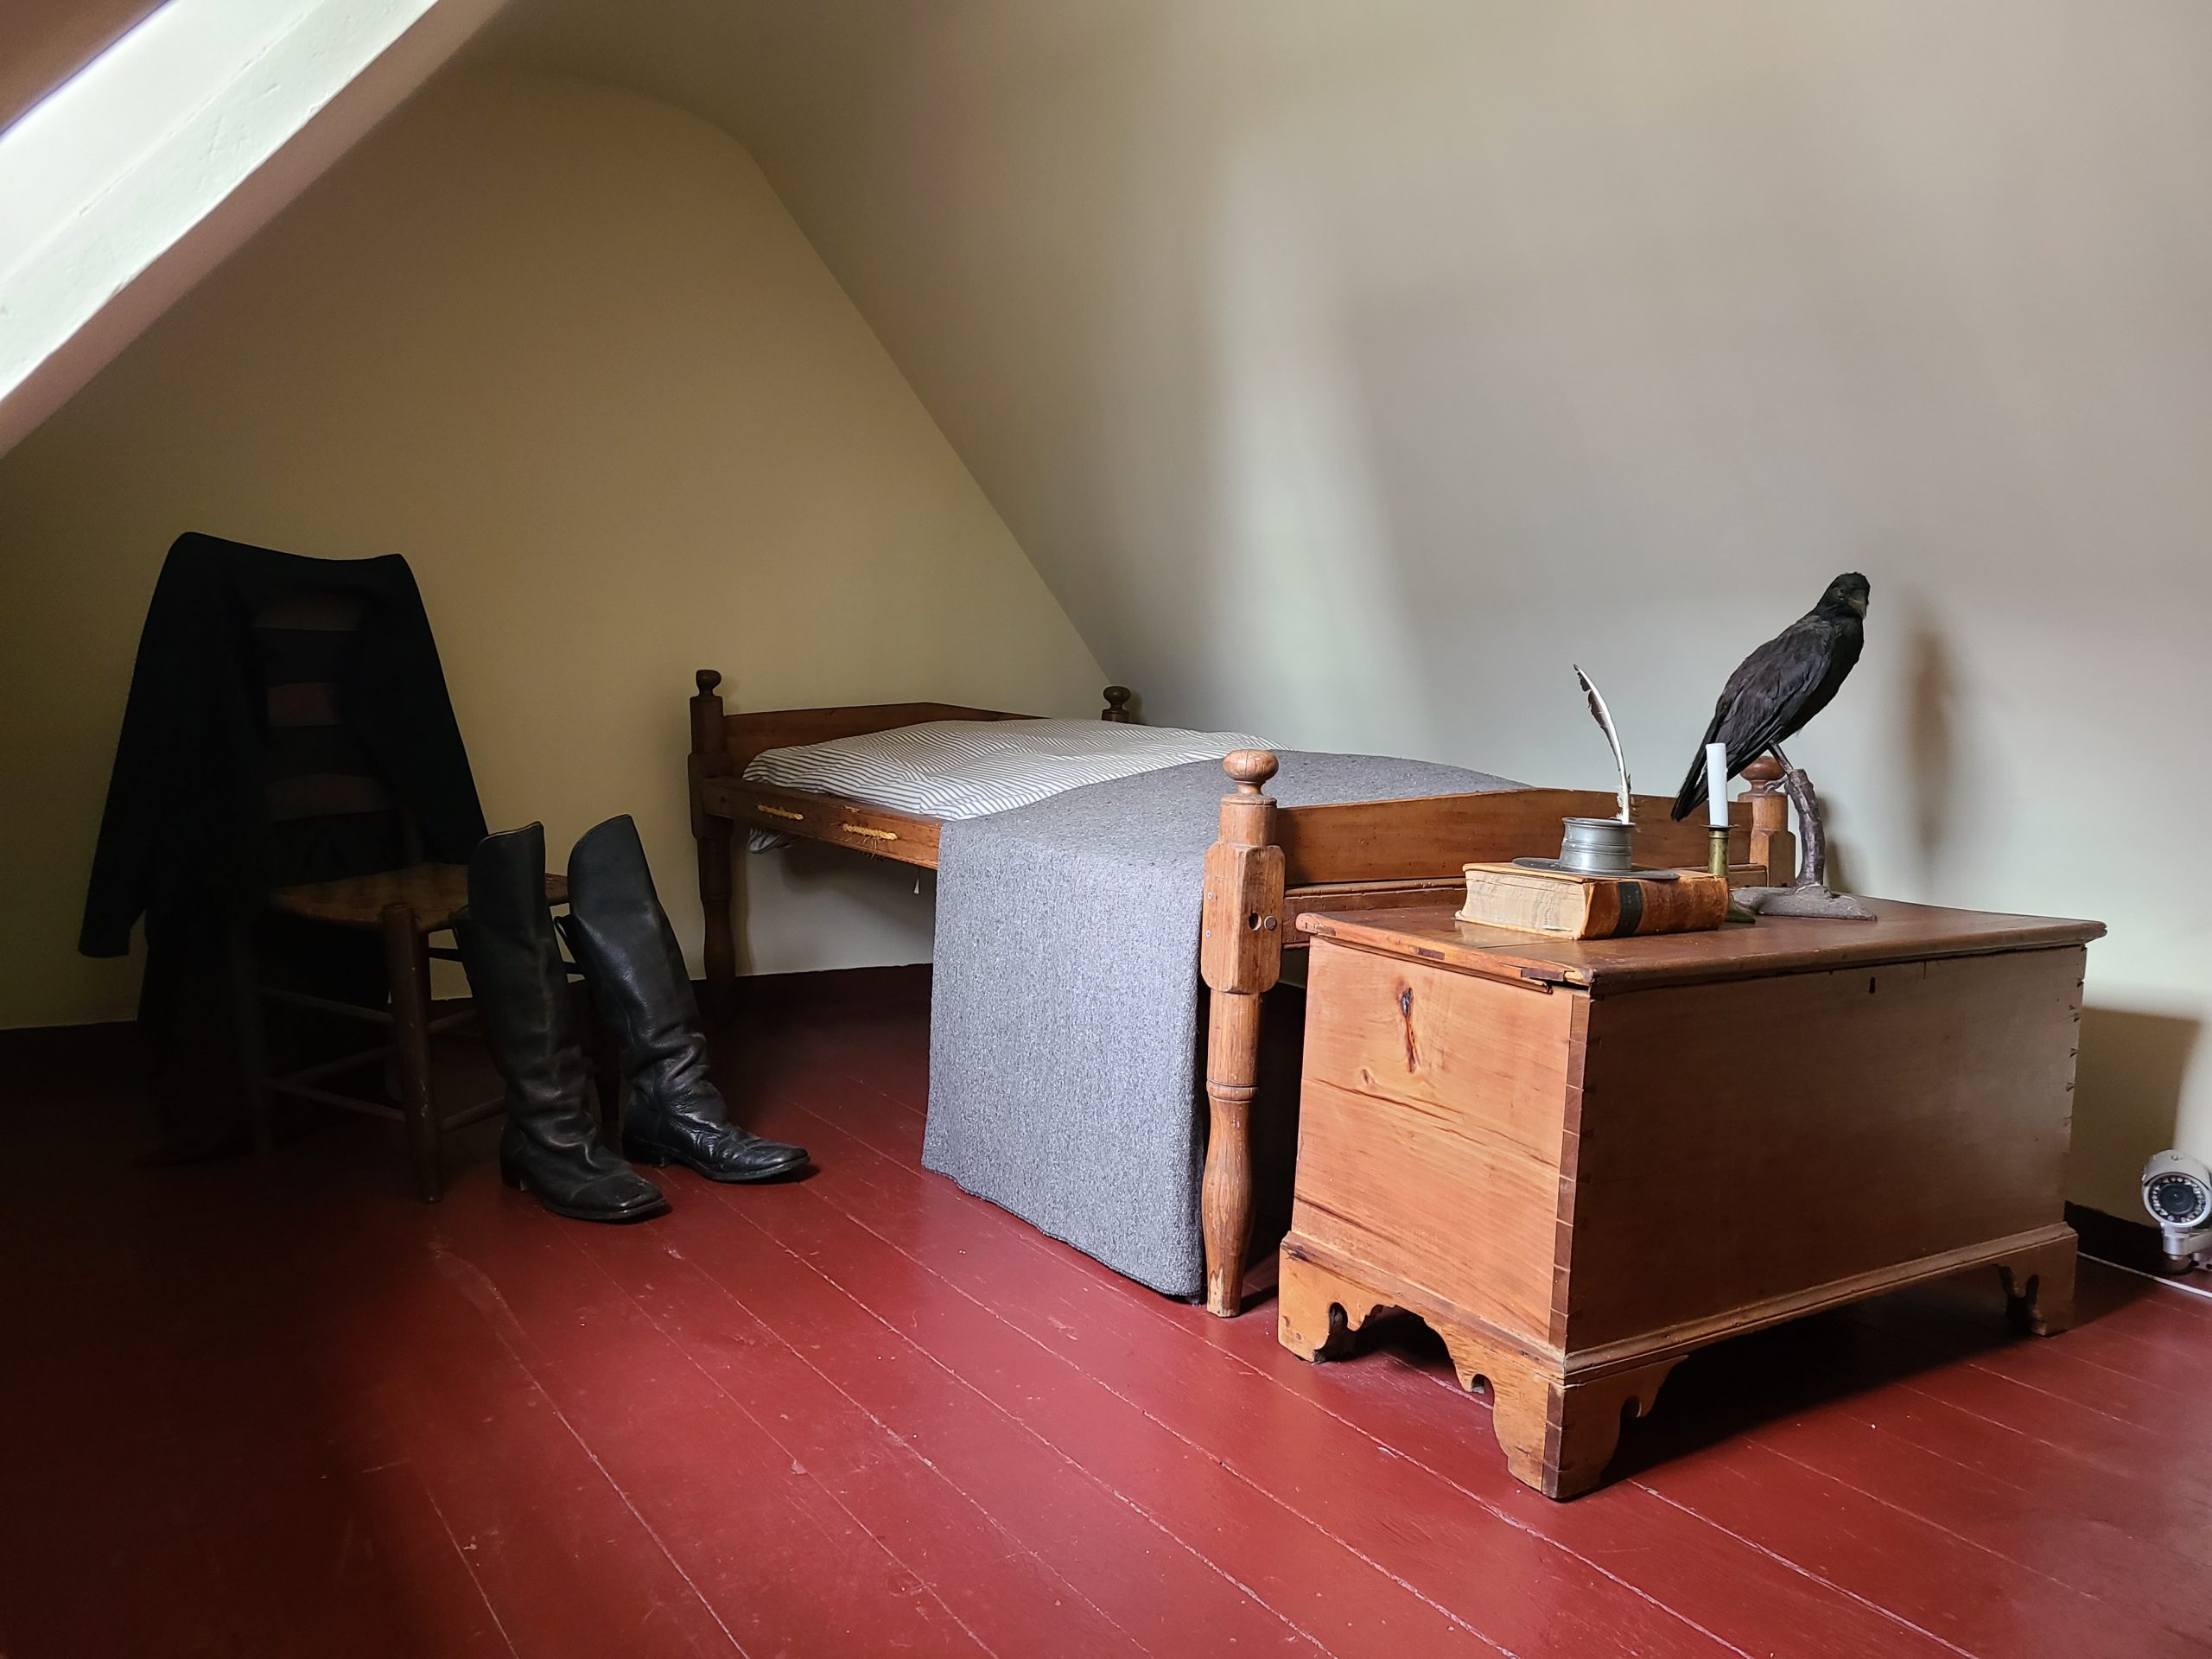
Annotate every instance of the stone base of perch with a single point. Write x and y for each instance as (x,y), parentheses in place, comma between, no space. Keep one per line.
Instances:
(1810,894)
(1803,900)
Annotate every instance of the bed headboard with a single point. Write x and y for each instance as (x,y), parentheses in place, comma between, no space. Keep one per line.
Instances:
(780,728)
(733,740)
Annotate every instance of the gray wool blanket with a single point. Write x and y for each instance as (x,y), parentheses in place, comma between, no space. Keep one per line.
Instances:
(1065,1027)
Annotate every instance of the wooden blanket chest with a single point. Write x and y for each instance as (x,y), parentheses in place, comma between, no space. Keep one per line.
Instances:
(1578,1161)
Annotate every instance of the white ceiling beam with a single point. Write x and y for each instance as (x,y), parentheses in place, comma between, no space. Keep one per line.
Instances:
(139,175)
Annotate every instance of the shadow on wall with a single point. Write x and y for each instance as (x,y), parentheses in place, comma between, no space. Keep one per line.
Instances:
(1931,742)
(2129,1081)
(805,872)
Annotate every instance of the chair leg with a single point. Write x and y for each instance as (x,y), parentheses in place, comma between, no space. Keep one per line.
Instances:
(407,967)
(252,1036)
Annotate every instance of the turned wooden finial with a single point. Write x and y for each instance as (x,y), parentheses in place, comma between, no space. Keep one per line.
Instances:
(709,737)
(1771,844)
(1117,704)
(1251,768)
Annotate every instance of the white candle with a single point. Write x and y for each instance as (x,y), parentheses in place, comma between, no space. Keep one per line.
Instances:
(1716,785)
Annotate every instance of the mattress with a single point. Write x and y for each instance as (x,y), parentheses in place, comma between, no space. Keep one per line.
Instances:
(970,768)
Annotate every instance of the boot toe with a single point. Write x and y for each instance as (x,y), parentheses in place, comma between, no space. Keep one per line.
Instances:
(636,1200)
(732,1155)
(760,1160)
(616,1195)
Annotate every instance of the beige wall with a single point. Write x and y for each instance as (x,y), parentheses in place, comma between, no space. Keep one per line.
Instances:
(560,347)
(1349,370)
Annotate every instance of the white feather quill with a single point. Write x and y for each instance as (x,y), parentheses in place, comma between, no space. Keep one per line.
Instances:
(1604,719)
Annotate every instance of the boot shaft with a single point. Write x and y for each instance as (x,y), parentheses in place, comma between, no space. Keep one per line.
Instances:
(622,939)
(621,936)
(512,953)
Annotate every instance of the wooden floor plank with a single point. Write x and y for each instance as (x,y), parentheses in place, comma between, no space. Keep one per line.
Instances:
(205,1438)
(933,1511)
(1658,1553)
(2165,1313)
(876,1052)
(2049,1507)
(275,1406)
(890,1129)
(1115,1557)
(2126,1451)
(2075,1368)
(919,1334)
(1315,1466)
(1922,1573)
(2040,1528)
(565,1561)
(83,1511)
(777,1557)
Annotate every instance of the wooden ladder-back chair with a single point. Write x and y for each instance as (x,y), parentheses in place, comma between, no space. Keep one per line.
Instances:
(326,806)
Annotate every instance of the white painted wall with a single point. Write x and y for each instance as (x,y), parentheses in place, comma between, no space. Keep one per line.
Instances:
(1348,370)
(560,347)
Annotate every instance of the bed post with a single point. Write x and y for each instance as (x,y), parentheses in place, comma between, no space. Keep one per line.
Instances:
(1772,845)
(1240,955)
(711,758)
(1117,705)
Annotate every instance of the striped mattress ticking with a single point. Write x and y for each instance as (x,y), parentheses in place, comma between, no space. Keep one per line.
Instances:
(970,768)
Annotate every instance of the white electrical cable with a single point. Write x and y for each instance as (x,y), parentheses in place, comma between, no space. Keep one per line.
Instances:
(2167,1279)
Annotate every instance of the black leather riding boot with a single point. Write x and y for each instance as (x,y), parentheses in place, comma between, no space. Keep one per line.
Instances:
(621,938)
(550,1147)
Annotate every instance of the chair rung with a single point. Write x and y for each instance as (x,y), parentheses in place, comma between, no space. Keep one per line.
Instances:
(326,1005)
(344,1102)
(330,1068)
(476,1114)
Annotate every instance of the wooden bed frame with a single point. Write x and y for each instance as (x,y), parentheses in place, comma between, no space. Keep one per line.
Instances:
(1271,865)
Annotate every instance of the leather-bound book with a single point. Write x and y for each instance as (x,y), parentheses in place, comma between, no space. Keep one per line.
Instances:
(1567,905)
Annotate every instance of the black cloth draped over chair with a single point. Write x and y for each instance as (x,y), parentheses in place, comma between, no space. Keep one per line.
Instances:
(288,723)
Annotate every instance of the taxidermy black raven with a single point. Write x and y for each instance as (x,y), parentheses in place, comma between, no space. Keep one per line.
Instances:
(1782,684)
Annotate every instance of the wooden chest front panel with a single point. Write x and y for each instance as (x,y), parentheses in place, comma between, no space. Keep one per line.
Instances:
(1747,1140)
(1430,1128)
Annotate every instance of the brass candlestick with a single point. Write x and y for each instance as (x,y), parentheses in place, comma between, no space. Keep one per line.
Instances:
(1716,842)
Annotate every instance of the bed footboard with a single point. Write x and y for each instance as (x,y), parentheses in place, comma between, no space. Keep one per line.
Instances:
(1271,865)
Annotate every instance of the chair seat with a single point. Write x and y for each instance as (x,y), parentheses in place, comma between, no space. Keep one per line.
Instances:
(435,892)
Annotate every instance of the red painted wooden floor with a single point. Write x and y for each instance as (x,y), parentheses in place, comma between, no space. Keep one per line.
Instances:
(282,1410)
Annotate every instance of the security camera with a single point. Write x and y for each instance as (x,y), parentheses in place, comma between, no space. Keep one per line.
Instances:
(2177,1192)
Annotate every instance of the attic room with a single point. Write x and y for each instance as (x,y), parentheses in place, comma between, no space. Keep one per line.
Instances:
(1064,827)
